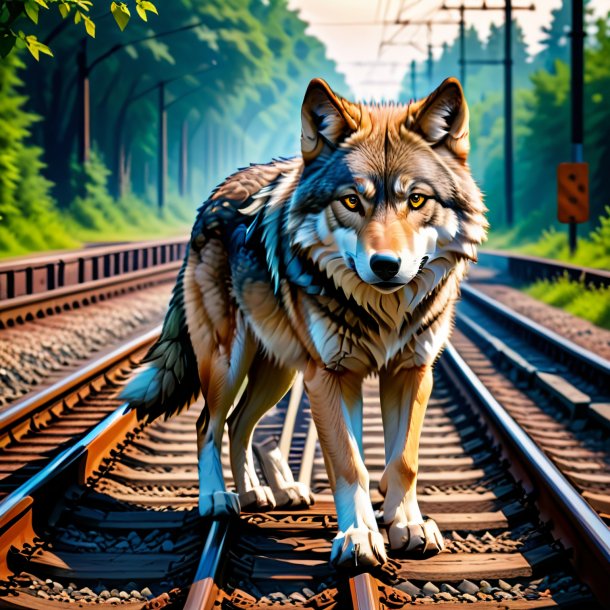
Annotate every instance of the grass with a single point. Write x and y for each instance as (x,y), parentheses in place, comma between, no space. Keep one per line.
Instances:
(69,234)
(94,216)
(593,249)
(586,302)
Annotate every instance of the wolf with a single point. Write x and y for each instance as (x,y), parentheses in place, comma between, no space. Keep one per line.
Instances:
(340,263)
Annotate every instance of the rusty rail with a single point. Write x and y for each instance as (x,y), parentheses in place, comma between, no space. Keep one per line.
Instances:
(44,274)
(574,522)
(24,508)
(527,269)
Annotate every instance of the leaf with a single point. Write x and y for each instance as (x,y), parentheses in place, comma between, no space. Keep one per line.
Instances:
(83,4)
(148,6)
(121,14)
(141,12)
(31,10)
(64,10)
(89,26)
(77,17)
(42,3)
(35,47)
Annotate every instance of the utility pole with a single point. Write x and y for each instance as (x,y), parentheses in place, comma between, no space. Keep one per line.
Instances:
(429,47)
(430,64)
(508,113)
(508,87)
(162,149)
(84,72)
(577,95)
(462,45)
(162,162)
(413,79)
(183,159)
(84,144)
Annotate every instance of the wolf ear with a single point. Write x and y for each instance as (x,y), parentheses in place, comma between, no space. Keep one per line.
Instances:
(326,119)
(443,115)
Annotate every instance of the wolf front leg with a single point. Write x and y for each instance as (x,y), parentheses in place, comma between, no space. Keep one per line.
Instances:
(404,395)
(336,406)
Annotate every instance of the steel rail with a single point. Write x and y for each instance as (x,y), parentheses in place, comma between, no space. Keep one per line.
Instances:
(204,591)
(364,592)
(33,306)
(25,506)
(531,268)
(61,461)
(24,409)
(565,346)
(575,522)
(43,274)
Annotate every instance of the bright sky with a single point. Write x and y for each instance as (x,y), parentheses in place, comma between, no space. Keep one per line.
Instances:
(354,29)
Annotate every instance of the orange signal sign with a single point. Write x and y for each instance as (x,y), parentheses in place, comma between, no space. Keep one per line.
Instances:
(573,192)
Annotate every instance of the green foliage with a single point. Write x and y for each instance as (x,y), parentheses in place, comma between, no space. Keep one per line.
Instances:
(542,109)
(235,73)
(14,13)
(541,121)
(593,250)
(96,214)
(94,209)
(586,302)
(28,218)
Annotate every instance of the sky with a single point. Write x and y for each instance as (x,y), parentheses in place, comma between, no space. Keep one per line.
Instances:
(353,30)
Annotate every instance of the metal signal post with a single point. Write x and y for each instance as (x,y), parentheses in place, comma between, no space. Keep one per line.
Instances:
(577,95)
(508,113)
(162,156)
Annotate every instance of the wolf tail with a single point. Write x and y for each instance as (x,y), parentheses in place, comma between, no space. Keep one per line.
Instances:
(170,380)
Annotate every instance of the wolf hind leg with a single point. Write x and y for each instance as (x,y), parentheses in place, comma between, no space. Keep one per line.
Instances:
(224,376)
(268,382)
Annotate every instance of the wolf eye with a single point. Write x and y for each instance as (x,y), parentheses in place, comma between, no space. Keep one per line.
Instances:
(416,200)
(351,202)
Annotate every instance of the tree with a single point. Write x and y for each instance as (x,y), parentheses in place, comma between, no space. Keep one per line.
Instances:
(13,13)
(24,192)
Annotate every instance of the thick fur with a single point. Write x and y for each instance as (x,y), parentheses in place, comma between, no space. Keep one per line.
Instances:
(279,278)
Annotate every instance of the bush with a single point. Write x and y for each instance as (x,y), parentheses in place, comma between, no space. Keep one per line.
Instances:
(29,219)
(586,302)
(97,216)
(593,250)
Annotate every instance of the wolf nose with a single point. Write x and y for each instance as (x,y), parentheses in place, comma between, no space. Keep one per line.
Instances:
(384,266)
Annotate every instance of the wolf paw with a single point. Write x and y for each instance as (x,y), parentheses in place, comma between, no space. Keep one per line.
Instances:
(294,495)
(358,547)
(219,504)
(259,498)
(422,538)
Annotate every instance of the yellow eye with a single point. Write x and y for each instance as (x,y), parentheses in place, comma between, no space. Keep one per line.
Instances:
(351,202)
(416,200)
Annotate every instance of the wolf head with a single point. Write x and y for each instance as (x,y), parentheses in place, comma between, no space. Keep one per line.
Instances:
(385,190)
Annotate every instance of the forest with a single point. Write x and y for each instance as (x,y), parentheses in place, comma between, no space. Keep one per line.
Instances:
(541,132)
(227,79)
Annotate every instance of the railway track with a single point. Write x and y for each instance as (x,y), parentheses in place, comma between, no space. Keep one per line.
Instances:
(558,391)
(526,269)
(35,430)
(131,535)
(59,313)
(43,286)
(96,509)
